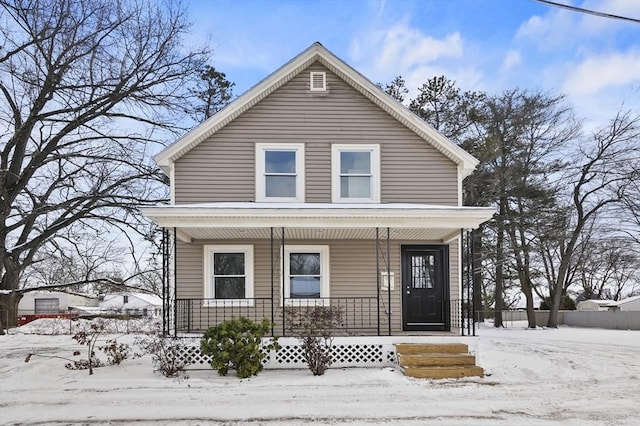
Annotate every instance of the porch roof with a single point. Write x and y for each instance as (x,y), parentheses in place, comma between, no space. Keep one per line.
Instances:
(247,220)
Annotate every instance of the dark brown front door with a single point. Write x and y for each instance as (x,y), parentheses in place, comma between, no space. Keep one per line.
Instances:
(425,275)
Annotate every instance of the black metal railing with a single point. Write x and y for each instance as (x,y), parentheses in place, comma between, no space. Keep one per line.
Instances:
(197,315)
(359,315)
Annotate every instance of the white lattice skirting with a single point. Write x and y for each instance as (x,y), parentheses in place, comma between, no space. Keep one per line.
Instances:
(346,352)
(350,354)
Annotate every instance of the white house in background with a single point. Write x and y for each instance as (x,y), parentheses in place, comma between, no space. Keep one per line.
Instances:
(628,304)
(132,303)
(52,302)
(595,305)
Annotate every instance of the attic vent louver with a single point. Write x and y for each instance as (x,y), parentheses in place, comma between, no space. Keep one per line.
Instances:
(318,81)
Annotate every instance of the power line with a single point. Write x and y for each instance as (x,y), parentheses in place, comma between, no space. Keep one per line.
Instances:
(590,12)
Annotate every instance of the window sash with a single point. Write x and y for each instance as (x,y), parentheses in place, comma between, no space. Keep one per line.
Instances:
(279,172)
(228,283)
(306,280)
(355,173)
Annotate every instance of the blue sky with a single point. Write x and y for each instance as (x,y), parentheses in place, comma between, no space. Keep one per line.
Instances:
(488,45)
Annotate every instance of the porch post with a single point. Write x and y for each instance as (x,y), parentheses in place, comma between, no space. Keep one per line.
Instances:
(378,276)
(461,256)
(163,242)
(389,276)
(272,289)
(175,282)
(283,284)
(472,277)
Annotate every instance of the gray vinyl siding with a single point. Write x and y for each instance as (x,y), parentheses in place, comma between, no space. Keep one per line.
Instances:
(222,168)
(352,274)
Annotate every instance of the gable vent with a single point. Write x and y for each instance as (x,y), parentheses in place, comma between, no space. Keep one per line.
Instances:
(318,81)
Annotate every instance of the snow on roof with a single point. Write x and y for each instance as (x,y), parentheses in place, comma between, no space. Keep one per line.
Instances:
(625,301)
(601,302)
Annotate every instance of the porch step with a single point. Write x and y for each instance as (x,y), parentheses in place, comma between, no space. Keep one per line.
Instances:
(437,361)
(425,348)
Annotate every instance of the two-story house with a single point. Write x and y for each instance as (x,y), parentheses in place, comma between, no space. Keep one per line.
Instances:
(315,188)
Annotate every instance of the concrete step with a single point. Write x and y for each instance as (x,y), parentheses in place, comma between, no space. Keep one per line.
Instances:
(436,359)
(423,348)
(451,372)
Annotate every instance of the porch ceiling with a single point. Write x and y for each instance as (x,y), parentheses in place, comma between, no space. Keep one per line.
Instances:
(317,220)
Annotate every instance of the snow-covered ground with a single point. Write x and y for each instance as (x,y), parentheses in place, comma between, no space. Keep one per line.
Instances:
(565,376)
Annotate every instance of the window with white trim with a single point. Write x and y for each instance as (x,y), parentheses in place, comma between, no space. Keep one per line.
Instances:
(306,275)
(280,172)
(355,173)
(228,275)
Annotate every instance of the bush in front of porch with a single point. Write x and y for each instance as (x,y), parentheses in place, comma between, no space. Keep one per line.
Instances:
(235,345)
(314,328)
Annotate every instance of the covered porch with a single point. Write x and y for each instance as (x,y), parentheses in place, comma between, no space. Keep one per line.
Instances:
(390,269)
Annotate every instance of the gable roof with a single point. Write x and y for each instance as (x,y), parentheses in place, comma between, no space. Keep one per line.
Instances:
(316,52)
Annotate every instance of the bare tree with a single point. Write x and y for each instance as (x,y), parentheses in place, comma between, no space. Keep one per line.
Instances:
(88,88)
(607,168)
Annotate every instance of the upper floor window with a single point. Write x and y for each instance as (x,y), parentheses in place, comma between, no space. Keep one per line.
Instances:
(355,173)
(280,172)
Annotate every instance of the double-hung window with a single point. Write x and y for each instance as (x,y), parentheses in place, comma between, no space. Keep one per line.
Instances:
(279,172)
(355,173)
(228,274)
(306,275)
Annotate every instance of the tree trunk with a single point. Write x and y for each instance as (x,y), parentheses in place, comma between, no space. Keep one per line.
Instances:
(9,310)
(499,265)
(476,264)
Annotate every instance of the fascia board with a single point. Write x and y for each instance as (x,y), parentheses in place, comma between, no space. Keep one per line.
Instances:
(336,218)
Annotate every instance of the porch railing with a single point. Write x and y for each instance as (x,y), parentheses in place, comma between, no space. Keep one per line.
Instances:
(359,314)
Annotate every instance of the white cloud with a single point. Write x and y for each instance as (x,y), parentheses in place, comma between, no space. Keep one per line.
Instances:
(400,49)
(512,58)
(602,71)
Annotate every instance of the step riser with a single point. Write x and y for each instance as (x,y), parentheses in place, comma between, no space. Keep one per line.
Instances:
(443,372)
(417,348)
(435,360)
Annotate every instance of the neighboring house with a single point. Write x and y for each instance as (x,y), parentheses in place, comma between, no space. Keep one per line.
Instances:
(316,188)
(595,305)
(51,302)
(141,304)
(628,304)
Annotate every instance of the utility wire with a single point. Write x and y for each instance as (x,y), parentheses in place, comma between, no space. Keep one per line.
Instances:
(590,12)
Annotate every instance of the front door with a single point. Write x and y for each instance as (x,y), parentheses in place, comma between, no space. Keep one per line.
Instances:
(425,282)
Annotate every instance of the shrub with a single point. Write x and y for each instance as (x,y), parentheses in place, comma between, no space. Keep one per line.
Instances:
(116,353)
(167,355)
(315,327)
(236,345)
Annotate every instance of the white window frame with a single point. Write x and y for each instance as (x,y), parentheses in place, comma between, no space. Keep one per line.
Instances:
(261,187)
(336,150)
(312,76)
(209,293)
(324,275)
